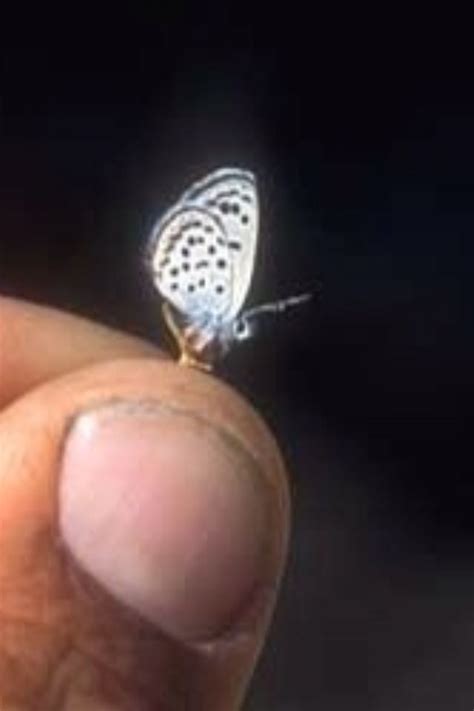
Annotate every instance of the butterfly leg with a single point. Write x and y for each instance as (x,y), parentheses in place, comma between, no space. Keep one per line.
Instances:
(189,359)
(185,339)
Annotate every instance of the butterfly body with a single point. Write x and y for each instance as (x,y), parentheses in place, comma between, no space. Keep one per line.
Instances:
(202,256)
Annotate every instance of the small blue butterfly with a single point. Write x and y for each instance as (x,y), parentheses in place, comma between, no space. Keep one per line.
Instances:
(202,254)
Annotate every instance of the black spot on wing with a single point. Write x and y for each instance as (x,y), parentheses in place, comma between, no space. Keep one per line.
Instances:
(193,224)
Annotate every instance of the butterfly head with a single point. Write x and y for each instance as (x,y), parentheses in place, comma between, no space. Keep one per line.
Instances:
(242,328)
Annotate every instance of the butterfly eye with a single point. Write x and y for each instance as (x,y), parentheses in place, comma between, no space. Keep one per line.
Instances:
(242,329)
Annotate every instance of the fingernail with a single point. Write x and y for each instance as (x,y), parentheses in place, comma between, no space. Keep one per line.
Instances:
(166,513)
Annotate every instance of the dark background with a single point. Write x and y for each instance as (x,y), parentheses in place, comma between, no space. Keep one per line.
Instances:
(360,129)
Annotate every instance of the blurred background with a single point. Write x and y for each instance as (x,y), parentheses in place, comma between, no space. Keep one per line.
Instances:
(360,130)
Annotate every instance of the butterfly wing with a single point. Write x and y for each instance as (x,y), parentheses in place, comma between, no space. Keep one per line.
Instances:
(230,196)
(191,264)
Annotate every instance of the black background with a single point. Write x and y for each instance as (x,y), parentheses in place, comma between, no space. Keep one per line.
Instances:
(360,130)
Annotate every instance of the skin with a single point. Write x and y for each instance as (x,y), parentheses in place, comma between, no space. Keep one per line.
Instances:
(69,638)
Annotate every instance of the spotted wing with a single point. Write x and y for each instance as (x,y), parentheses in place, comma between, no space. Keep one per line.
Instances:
(230,195)
(191,264)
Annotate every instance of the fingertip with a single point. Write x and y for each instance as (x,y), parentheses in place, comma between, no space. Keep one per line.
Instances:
(39,343)
(216,526)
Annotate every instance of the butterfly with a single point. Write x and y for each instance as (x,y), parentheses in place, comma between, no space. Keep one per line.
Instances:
(202,257)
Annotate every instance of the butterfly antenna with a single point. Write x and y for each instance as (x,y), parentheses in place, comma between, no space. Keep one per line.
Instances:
(279,306)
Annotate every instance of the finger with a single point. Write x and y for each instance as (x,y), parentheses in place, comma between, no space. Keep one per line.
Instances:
(173,520)
(39,343)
